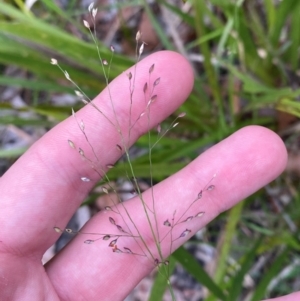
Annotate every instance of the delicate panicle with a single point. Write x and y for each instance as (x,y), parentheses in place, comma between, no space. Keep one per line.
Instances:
(110,166)
(69,230)
(181,115)
(112,48)
(105,190)
(107,208)
(175,124)
(105,62)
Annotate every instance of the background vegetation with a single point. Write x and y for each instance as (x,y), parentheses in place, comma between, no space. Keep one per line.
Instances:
(246,60)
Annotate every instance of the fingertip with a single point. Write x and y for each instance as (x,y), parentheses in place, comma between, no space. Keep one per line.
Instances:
(270,147)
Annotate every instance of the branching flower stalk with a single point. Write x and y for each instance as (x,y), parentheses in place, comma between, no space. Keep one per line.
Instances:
(150,210)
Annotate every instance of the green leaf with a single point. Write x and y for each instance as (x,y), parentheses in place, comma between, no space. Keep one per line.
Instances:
(195,269)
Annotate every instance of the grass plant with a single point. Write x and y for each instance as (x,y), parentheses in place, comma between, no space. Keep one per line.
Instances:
(251,55)
(120,216)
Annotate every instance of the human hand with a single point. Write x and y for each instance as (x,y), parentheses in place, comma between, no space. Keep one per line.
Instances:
(43,190)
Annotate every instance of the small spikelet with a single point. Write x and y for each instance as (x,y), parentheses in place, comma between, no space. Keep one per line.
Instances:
(91,6)
(120,229)
(188,219)
(85,179)
(157,81)
(138,36)
(54,61)
(67,76)
(127,250)
(58,230)
(81,124)
(81,152)
(185,233)
(94,12)
(141,50)
(211,187)
(112,221)
(86,24)
(112,48)
(71,143)
(199,214)
(181,115)
(89,241)
(106,237)
(158,129)
(167,223)
(151,69)
(145,87)
(113,242)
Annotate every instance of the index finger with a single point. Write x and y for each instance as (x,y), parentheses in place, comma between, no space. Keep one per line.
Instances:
(44,187)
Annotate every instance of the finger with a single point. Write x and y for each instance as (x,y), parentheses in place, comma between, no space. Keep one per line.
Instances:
(43,188)
(291,297)
(244,162)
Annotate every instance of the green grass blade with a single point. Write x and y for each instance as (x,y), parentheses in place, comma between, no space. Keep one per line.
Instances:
(161,283)
(195,269)
(273,270)
(237,280)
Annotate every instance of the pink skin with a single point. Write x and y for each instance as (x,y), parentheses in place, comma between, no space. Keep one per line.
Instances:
(43,189)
